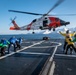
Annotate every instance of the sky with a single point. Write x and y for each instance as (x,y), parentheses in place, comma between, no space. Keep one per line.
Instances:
(35,6)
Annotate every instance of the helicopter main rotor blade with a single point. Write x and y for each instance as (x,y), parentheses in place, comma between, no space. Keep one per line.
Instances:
(58,3)
(63,15)
(24,12)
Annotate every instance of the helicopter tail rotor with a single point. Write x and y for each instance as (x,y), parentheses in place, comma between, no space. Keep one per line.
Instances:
(12,19)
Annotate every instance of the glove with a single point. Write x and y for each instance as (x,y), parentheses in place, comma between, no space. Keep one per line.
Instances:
(59,31)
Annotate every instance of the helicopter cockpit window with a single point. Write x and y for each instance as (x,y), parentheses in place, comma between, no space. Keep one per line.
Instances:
(34,20)
(45,21)
(62,21)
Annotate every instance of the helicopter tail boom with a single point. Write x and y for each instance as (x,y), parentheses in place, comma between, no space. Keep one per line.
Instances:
(15,27)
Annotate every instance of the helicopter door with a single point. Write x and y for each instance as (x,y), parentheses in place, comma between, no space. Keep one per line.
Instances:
(45,21)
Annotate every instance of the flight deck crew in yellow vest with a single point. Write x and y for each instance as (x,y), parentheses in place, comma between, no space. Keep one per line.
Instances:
(66,35)
(69,44)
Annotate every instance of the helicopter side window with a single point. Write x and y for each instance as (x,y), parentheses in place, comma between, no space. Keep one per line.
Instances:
(45,21)
(34,20)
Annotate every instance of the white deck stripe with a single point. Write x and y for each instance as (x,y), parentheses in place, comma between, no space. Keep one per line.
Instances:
(44,46)
(20,50)
(48,46)
(24,49)
(54,52)
(52,68)
(34,53)
(51,71)
(65,55)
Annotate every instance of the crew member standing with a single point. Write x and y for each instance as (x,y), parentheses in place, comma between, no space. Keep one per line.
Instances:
(70,44)
(67,34)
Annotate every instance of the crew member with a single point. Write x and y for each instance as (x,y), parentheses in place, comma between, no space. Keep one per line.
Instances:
(12,41)
(74,40)
(70,44)
(4,44)
(66,35)
(19,42)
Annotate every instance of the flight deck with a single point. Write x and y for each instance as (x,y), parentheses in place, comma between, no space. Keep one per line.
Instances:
(34,57)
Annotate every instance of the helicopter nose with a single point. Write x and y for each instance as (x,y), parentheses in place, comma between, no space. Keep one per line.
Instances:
(62,22)
(67,23)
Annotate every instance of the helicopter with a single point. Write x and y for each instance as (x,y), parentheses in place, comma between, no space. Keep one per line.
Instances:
(46,21)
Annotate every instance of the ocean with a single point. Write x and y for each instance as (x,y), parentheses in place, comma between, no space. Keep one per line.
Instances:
(33,36)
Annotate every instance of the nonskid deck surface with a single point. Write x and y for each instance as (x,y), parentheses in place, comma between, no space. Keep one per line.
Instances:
(30,60)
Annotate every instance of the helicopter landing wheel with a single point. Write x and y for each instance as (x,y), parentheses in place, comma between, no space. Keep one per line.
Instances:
(53,29)
(33,32)
(49,28)
(41,27)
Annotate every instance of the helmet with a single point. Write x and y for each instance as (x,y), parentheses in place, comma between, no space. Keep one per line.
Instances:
(67,31)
